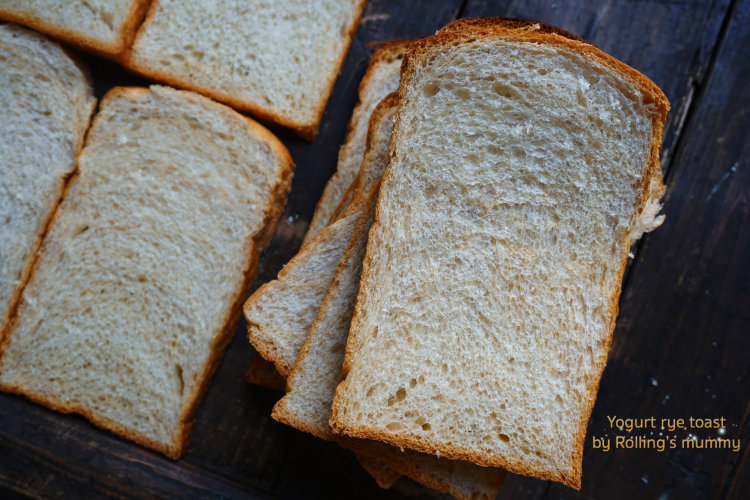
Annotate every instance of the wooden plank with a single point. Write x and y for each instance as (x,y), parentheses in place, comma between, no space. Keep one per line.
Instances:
(237,450)
(43,453)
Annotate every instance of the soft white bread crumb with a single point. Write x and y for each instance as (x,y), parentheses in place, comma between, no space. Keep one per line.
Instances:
(277,60)
(139,281)
(46,100)
(521,160)
(105,26)
(380,79)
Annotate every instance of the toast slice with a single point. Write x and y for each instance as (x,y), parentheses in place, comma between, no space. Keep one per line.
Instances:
(279,313)
(275,60)
(46,102)
(106,27)
(135,293)
(317,371)
(523,162)
(380,79)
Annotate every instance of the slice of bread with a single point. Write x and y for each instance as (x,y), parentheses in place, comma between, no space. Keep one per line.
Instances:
(317,371)
(381,78)
(46,101)
(279,313)
(106,27)
(276,60)
(137,287)
(522,162)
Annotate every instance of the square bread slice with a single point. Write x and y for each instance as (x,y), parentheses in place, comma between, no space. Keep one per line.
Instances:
(46,101)
(317,371)
(103,26)
(523,163)
(380,79)
(279,313)
(275,60)
(135,293)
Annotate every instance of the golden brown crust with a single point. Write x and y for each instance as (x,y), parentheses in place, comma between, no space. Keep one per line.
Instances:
(386,51)
(275,204)
(79,39)
(306,130)
(467,31)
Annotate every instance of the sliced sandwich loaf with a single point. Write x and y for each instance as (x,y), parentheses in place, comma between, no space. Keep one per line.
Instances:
(139,281)
(381,78)
(523,162)
(103,26)
(46,100)
(276,60)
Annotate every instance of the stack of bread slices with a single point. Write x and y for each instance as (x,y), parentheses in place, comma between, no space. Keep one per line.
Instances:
(450,313)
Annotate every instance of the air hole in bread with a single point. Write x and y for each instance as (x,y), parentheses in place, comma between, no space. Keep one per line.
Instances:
(180,379)
(412,382)
(504,90)
(504,438)
(82,230)
(394,426)
(400,394)
(431,89)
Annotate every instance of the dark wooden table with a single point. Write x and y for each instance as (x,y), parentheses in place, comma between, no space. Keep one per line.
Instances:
(682,343)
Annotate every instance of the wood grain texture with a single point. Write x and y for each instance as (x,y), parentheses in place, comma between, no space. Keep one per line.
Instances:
(681,347)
